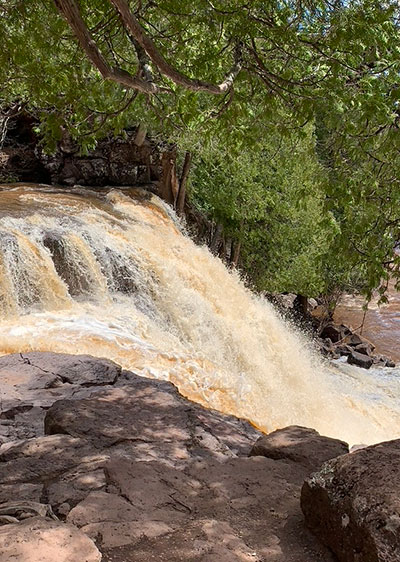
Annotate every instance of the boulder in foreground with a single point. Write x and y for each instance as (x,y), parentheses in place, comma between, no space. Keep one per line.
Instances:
(353,504)
(299,444)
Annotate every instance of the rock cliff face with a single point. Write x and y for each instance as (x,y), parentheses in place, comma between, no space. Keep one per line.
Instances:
(130,160)
(132,471)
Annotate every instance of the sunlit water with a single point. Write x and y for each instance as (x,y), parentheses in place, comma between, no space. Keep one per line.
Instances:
(112,274)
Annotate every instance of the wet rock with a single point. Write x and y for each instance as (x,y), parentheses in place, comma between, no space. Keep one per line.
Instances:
(344,350)
(42,540)
(365,348)
(387,362)
(353,340)
(353,504)
(332,332)
(335,332)
(299,444)
(360,360)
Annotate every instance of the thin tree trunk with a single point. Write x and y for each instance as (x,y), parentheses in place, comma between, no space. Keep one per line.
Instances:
(302,304)
(180,202)
(169,182)
(222,253)
(215,239)
(140,134)
(235,253)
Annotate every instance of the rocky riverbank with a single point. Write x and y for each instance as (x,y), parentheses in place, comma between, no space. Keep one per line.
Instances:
(97,463)
(332,339)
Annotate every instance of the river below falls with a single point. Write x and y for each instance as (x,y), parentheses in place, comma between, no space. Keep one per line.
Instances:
(112,273)
(380,324)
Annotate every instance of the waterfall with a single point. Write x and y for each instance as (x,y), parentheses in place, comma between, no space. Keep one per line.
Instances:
(111,273)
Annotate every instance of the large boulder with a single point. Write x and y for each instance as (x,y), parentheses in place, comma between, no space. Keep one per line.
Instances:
(42,540)
(353,504)
(299,444)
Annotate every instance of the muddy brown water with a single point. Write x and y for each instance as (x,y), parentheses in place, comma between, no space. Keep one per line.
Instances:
(381,325)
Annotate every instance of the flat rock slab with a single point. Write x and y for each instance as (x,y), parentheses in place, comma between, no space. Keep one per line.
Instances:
(150,421)
(353,504)
(41,540)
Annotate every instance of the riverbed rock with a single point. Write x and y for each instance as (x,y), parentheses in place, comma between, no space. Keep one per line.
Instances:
(147,474)
(332,332)
(353,340)
(42,540)
(365,348)
(299,444)
(353,504)
(360,360)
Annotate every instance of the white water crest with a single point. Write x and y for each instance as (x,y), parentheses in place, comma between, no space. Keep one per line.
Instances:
(112,274)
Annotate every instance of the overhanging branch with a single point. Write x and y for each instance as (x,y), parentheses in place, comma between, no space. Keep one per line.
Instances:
(138,33)
(71,13)
(146,51)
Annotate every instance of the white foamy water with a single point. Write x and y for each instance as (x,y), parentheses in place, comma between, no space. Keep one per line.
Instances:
(111,274)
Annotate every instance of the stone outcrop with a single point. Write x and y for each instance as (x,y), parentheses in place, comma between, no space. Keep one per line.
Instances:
(353,504)
(131,159)
(360,359)
(332,339)
(142,472)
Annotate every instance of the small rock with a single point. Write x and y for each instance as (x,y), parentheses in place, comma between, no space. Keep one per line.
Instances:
(343,350)
(360,360)
(364,348)
(332,332)
(353,340)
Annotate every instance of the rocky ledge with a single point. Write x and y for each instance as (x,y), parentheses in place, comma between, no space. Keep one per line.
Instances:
(97,463)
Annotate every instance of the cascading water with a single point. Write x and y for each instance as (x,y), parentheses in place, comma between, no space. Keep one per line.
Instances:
(110,273)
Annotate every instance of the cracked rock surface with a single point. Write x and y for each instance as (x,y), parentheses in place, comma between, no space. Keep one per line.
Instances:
(142,473)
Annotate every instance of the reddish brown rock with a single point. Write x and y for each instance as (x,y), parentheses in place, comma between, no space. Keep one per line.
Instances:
(149,475)
(299,444)
(353,504)
(42,540)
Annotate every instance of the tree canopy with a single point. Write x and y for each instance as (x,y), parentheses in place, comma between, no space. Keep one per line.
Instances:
(245,77)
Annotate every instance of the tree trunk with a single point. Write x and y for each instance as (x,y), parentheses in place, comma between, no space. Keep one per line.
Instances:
(216,238)
(180,202)
(235,253)
(301,304)
(169,182)
(140,134)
